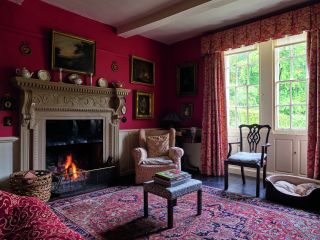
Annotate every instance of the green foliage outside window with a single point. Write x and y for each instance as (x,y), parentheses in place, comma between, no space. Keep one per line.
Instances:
(291,87)
(243,88)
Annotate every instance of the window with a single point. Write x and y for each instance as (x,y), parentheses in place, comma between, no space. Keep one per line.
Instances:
(242,85)
(291,83)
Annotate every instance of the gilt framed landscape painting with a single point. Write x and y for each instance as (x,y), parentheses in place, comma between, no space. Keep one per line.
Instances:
(72,53)
(142,71)
(144,105)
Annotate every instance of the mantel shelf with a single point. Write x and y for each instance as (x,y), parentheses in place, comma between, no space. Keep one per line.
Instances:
(32,83)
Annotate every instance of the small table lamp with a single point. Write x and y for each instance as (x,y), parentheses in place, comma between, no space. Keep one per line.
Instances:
(171,119)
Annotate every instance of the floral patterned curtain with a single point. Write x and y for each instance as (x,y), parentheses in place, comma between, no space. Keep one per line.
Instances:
(313,56)
(214,145)
(289,23)
(214,129)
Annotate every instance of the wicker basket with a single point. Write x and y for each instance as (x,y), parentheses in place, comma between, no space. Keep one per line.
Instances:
(39,186)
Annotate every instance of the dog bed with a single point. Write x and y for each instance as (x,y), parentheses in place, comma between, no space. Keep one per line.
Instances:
(298,192)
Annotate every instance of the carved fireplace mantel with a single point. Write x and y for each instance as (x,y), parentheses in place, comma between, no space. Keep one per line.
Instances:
(44,100)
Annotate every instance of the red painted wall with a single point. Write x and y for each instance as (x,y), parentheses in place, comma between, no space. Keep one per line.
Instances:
(33,21)
(181,52)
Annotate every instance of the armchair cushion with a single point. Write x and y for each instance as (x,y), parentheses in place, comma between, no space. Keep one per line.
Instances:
(143,134)
(246,157)
(158,145)
(156,161)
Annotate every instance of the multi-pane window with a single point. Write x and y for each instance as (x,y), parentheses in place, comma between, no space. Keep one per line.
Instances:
(242,86)
(291,83)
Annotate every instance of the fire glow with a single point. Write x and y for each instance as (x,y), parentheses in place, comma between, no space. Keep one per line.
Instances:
(70,168)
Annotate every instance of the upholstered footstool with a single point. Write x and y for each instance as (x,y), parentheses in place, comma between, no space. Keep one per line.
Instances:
(172,194)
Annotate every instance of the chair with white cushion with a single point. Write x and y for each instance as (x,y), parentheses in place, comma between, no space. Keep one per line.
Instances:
(252,158)
(156,153)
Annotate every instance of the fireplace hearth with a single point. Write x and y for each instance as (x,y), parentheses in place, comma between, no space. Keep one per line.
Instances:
(87,180)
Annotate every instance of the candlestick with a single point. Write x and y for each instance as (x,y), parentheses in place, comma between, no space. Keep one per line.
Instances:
(60,74)
(91,79)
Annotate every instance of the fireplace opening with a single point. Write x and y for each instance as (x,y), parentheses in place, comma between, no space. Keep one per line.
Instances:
(74,154)
(83,139)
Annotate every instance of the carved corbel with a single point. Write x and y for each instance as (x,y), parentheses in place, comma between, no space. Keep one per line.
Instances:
(26,100)
(25,120)
(33,122)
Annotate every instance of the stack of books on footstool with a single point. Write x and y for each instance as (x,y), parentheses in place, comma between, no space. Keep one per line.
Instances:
(171,178)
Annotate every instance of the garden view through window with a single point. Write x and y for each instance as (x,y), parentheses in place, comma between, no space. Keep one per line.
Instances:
(287,92)
(291,83)
(242,86)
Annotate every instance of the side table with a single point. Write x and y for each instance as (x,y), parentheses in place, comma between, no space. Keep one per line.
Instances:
(171,194)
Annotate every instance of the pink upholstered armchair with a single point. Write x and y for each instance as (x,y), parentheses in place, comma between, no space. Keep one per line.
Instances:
(156,153)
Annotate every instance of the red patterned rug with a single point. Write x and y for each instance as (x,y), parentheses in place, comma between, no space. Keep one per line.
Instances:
(117,213)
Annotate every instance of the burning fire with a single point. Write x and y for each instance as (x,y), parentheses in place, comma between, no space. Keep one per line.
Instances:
(70,168)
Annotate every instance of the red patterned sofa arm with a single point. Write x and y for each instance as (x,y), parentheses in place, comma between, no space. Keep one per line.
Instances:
(30,218)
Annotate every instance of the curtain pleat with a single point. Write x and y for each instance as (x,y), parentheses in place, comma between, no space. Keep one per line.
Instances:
(313,55)
(214,145)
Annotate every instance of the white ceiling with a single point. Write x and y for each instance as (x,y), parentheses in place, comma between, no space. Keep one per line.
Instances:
(170,21)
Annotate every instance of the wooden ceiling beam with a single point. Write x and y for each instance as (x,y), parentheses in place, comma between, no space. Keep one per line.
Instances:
(162,17)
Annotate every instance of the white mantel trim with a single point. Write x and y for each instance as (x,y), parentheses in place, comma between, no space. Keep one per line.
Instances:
(8,139)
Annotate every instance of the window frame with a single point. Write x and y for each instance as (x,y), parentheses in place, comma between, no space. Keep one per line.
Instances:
(275,105)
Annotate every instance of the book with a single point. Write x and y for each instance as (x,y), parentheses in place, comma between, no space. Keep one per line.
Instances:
(172,175)
(168,183)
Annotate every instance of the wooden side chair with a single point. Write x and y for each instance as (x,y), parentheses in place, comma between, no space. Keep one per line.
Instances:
(252,159)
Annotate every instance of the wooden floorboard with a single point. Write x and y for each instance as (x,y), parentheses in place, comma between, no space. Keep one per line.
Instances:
(235,184)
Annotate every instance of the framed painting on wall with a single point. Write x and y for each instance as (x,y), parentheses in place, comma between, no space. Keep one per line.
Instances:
(186,110)
(187,79)
(142,71)
(144,105)
(72,53)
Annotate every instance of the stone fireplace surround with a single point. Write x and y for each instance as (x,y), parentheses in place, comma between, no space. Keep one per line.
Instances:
(44,100)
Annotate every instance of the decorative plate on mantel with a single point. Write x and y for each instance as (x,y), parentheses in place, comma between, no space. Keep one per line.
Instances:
(44,75)
(102,82)
(75,78)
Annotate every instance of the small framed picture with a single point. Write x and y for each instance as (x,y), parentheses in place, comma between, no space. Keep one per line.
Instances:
(142,71)
(187,79)
(144,105)
(72,53)
(186,110)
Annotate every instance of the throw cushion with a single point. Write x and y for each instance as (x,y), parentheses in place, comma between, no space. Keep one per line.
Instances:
(306,188)
(286,188)
(158,145)
(156,161)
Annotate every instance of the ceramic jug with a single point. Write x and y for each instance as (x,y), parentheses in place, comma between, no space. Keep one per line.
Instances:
(24,72)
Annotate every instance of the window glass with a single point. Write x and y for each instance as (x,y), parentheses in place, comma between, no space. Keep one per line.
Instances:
(242,81)
(291,83)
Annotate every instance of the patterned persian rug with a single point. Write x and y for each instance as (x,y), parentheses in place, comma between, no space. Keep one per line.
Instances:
(117,213)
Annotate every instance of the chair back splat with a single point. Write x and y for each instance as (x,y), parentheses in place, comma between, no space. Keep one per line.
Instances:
(253,136)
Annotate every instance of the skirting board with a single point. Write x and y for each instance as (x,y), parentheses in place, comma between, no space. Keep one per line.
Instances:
(251,172)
